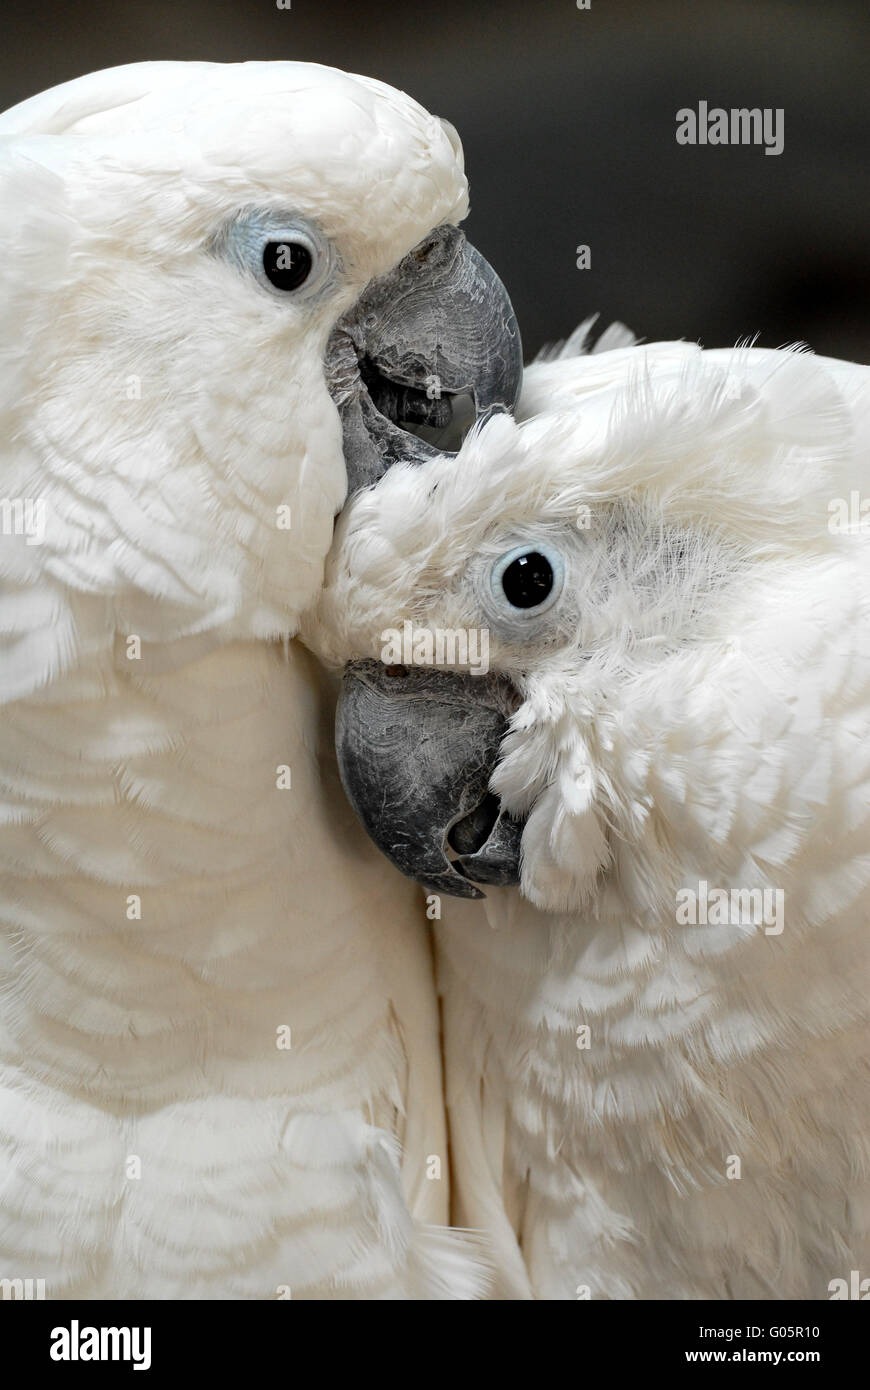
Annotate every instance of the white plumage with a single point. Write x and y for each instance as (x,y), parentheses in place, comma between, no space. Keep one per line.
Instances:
(693,709)
(167,908)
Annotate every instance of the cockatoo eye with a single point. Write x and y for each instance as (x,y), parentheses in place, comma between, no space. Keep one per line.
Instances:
(283,251)
(287,264)
(527,580)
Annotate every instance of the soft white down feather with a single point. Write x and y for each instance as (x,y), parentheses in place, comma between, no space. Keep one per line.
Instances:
(169,908)
(694,708)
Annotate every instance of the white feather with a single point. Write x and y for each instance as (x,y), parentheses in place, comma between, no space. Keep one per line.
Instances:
(696,707)
(165,908)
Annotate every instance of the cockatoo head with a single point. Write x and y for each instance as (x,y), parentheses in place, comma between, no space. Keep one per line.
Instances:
(626,565)
(232,292)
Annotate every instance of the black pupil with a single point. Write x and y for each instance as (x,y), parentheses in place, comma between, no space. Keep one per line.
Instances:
(287,264)
(527,580)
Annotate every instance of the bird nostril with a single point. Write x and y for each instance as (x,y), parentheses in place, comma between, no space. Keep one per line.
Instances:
(471,833)
(395,670)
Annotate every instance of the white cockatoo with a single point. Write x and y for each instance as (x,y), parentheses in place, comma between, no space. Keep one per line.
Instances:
(227,291)
(656,1045)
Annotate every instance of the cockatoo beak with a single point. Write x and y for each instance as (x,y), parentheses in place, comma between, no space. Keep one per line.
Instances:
(416,748)
(426,350)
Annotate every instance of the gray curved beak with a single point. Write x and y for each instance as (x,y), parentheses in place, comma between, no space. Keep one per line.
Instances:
(425,351)
(416,748)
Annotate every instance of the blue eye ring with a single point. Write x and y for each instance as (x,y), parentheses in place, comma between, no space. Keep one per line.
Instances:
(249,240)
(546,569)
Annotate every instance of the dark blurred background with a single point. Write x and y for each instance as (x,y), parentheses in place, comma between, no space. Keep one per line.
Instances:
(568,122)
